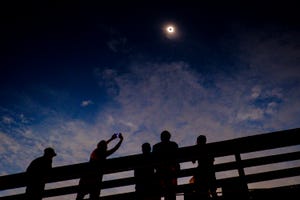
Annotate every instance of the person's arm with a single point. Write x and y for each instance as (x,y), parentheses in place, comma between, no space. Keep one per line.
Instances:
(196,149)
(111,151)
(176,157)
(114,136)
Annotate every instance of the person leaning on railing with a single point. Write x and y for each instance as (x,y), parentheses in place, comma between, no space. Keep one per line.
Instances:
(36,173)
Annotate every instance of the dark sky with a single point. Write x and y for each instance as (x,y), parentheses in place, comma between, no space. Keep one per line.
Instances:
(57,38)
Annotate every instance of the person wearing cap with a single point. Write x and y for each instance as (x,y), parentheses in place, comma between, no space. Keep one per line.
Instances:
(36,173)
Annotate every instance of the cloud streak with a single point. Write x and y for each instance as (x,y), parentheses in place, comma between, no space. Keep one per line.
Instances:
(86,103)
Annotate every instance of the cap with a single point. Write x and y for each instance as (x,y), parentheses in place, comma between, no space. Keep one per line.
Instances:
(49,151)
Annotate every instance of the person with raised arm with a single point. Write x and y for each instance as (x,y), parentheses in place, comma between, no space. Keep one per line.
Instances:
(91,183)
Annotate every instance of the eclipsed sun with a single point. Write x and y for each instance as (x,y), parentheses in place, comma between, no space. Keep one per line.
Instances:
(170,31)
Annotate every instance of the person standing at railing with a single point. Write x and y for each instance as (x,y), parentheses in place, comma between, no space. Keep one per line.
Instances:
(91,183)
(204,178)
(36,172)
(145,180)
(167,169)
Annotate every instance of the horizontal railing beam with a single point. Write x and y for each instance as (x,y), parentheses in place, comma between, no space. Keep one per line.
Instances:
(218,149)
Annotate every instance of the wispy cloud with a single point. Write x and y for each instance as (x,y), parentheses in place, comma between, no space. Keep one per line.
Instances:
(86,103)
(118,45)
(7,120)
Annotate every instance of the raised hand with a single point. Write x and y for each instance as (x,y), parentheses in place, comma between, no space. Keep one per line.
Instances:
(114,136)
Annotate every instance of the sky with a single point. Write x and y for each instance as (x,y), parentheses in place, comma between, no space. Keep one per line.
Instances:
(72,74)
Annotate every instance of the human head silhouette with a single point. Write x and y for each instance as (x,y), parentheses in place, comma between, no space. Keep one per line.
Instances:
(201,139)
(102,145)
(49,152)
(165,136)
(146,148)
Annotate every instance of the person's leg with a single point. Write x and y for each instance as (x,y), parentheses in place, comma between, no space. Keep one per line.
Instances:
(93,196)
(170,190)
(82,191)
(80,196)
(170,196)
(202,192)
(95,192)
(83,188)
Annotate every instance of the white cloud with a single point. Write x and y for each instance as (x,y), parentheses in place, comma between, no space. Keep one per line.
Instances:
(7,120)
(8,143)
(256,90)
(86,103)
(171,96)
(250,114)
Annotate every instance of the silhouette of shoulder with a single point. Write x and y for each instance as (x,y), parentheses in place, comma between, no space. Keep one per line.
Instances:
(165,146)
(38,164)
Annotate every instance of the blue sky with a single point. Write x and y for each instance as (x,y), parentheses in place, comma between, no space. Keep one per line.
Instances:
(72,75)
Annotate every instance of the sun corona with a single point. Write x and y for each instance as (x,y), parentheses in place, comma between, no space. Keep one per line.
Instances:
(170,29)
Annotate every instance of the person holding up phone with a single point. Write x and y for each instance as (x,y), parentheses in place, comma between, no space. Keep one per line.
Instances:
(91,183)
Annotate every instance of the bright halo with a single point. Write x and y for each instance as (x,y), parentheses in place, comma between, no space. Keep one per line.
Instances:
(170,29)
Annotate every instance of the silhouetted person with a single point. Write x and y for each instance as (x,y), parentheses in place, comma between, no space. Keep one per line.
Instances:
(36,173)
(204,178)
(168,168)
(91,184)
(145,182)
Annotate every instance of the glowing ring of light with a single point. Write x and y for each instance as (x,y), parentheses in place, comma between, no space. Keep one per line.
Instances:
(170,29)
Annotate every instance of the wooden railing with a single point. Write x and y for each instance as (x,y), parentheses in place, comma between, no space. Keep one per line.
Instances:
(234,147)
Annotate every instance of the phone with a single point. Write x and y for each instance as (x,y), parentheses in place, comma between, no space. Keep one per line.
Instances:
(118,134)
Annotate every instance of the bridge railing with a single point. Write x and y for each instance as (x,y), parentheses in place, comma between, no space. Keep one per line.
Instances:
(235,183)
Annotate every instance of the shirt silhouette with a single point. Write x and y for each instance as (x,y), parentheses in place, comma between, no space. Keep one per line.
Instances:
(91,183)
(204,178)
(36,173)
(167,168)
